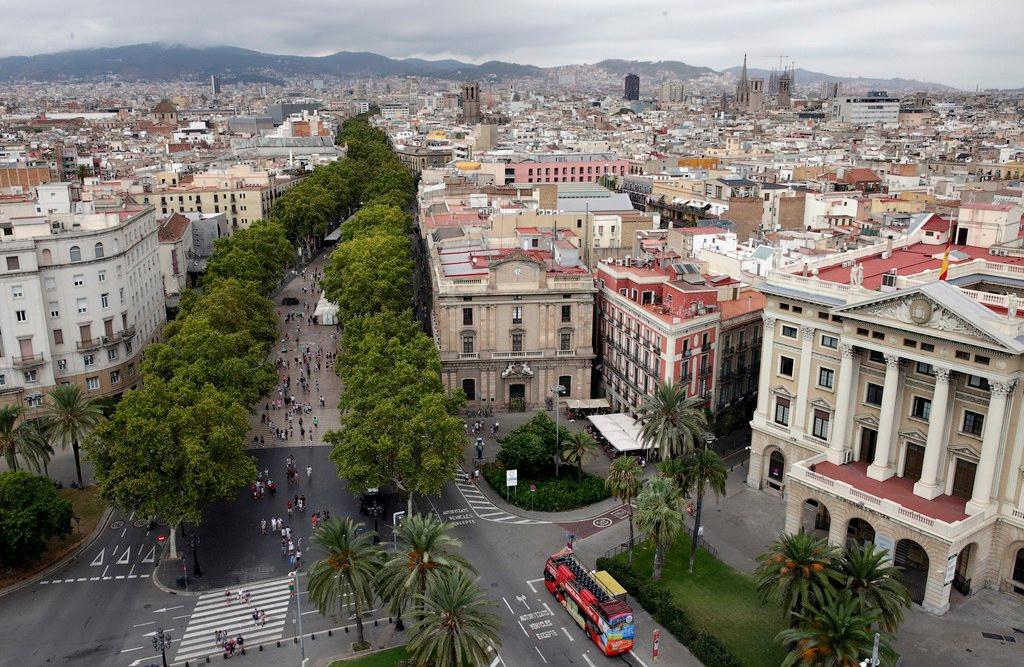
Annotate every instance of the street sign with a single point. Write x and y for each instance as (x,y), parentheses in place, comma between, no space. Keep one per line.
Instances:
(533,487)
(656,645)
(160,538)
(511,477)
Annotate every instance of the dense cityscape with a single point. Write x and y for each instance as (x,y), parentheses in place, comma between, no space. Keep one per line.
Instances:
(361,360)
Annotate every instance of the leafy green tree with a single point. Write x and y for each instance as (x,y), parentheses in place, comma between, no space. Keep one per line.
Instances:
(577,447)
(874,585)
(532,446)
(257,255)
(37,450)
(305,211)
(230,306)
(368,275)
(69,416)
(170,450)
(425,552)
(17,440)
(671,422)
(705,471)
(834,632)
(347,570)
(234,363)
(795,571)
(659,517)
(623,481)
(375,219)
(456,628)
(31,512)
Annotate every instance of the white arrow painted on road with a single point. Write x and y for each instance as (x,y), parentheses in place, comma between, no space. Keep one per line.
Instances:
(125,557)
(522,598)
(160,611)
(150,557)
(98,560)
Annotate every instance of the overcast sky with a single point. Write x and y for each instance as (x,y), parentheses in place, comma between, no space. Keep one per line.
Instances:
(958,42)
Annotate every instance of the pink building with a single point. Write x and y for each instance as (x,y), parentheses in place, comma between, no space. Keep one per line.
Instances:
(565,168)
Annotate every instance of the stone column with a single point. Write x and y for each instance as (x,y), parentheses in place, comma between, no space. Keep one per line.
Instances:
(928,486)
(984,477)
(837,531)
(767,370)
(844,392)
(882,469)
(799,424)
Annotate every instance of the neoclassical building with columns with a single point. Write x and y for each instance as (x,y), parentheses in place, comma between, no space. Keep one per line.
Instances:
(889,411)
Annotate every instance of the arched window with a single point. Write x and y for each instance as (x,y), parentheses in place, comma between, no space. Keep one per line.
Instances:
(76,254)
(98,250)
(469,386)
(776,466)
(47,256)
(117,246)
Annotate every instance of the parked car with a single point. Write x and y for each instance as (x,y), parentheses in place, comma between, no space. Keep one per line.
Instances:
(290,301)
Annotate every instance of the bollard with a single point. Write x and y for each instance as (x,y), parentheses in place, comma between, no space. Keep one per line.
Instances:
(313,636)
(261,648)
(389,620)
(346,629)
(374,622)
(329,633)
(295,640)
(278,643)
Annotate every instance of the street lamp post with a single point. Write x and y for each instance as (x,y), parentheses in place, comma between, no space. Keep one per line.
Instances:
(557,389)
(298,603)
(376,511)
(193,541)
(162,642)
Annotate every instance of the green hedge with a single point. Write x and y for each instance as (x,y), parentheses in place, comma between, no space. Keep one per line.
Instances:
(553,494)
(659,604)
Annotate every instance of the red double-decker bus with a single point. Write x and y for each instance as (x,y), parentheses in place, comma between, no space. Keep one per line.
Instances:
(595,601)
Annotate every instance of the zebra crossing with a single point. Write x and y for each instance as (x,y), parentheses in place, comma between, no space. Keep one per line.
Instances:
(484,508)
(212,612)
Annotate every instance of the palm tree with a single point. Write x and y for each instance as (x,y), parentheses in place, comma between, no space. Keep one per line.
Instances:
(675,470)
(36,448)
(873,584)
(577,447)
(623,482)
(795,571)
(346,571)
(70,416)
(659,517)
(671,422)
(456,628)
(424,553)
(705,471)
(21,440)
(834,632)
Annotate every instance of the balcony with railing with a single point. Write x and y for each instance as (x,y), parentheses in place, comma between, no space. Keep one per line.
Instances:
(943,515)
(88,344)
(127,333)
(566,353)
(521,354)
(28,361)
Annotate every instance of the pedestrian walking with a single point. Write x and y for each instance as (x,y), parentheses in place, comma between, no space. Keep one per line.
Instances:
(309,472)
(263,526)
(255,618)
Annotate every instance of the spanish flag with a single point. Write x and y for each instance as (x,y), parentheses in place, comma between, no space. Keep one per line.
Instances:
(944,272)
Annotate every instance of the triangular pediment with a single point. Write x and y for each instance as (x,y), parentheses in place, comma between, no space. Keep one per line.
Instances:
(915,435)
(937,309)
(963,450)
(821,404)
(867,420)
(782,391)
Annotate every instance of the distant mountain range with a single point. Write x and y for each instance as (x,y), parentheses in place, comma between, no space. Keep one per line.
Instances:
(162,62)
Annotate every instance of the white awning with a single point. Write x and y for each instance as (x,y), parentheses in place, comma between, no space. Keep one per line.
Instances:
(586,403)
(326,312)
(620,430)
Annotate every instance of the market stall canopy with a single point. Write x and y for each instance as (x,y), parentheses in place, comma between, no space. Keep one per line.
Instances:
(586,403)
(326,312)
(620,430)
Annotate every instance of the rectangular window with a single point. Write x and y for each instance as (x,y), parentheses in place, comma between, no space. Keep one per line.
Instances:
(927,347)
(115,377)
(17,291)
(822,315)
(826,377)
(58,336)
(467,317)
(101,276)
(960,354)
(819,428)
(565,341)
(878,335)
(977,382)
(78,280)
(782,411)
(876,356)
(979,359)
(467,345)
(54,309)
(62,364)
(973,422)
(830,342)
(51,284)
(874,395)
(783,306)
(517,314)
(788,331)
(21,315)
(786,366)
(861,331)
(89,359)
(567,313)
(92,383)
(83,306)
(517,342)
(30,376)
(921,408)
(798,309)
(105,300)
(925,368)
(13,264)
(909,342)
(112,354)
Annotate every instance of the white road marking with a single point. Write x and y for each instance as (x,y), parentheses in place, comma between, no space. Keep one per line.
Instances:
(150,557)
(139,625)
(571,638)
(162,610)
(508,605)
(541,655)
(94,578)
(129,650)
(125,557)
(96,562)
(589,661)
(83,578)
(68,581)
(124,531)
(637,658)
(43,583)
(522,628)
(120,576)
(531,582)
(131,572)
(105,571)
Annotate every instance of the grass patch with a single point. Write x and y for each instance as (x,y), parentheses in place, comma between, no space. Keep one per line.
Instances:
(720,601)
(88,507)
(553,494)
(386,658)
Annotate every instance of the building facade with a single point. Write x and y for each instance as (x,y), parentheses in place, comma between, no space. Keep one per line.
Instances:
(893,415)
(82,295)
(631,88)
(511,324)
(876,108)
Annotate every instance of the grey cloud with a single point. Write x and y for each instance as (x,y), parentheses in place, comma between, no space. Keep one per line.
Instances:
(938,40)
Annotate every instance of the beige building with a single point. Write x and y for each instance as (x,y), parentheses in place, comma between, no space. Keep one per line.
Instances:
(511,324)
(890,411)
(243,194)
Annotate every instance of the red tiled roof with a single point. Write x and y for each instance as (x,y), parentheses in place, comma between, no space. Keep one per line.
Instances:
(937,223)
(859,175)
(173,228)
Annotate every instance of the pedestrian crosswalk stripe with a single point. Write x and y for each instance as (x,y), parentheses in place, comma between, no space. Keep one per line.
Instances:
(219,594)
